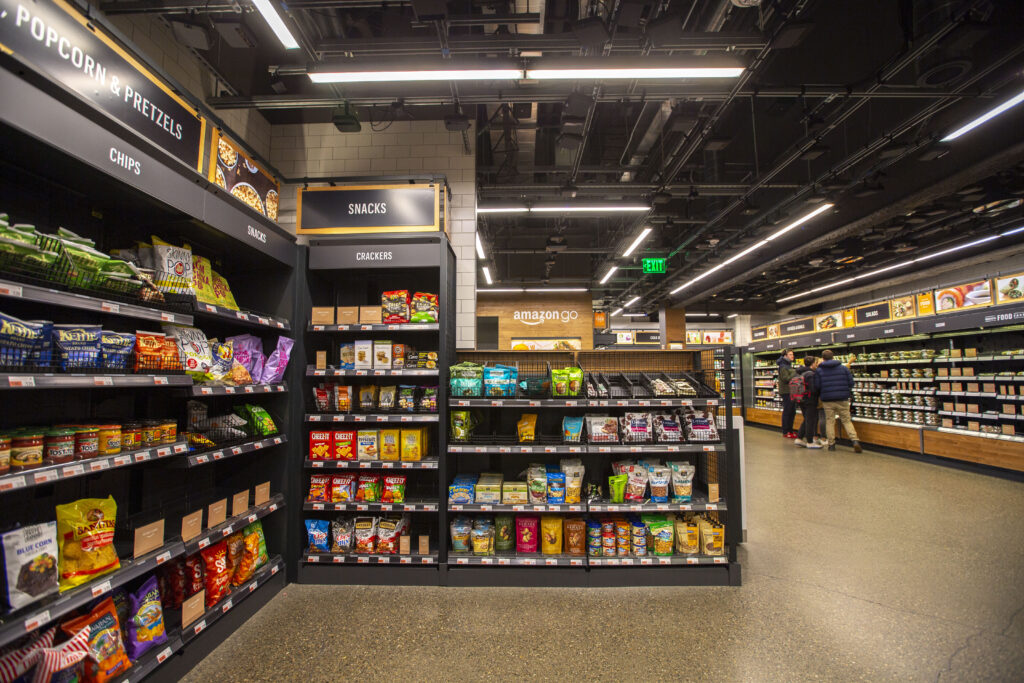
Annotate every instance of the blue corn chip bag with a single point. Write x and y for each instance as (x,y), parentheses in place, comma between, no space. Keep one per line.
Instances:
(317,531)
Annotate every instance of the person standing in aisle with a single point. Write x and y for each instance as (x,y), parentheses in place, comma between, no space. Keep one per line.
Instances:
(836,384)
(786,373)
(809,403)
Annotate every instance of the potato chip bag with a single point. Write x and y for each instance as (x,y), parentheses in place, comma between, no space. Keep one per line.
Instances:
(369,488)
(317,535)
(193,349)
(318,488)
(222,292)
(255,553)
(202,280)
(236,548)
(145,627)
(551,534)
(107,659)
(173,267)
(394,489)
(85,540)
(193,574)
(215,573)
(66,662)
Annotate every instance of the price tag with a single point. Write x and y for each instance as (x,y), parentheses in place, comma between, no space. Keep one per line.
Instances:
(382,418)
(486,560)
(462,403)
(613,562)
(110,307)
(530,561)
(549,449)
(635,449)
(143,456)
(539,508)
(710,449)
(518,508)
(211,309)
(359,418)
(204,542)
(12,483)
(504,560)
(236,450)
(534,404)
(100,589)
(312,558)
(258,445)
(622,403)
(263,321)
(571,404)
(241,316)
(317,463)
(362,507)
(604,449)
(497,403)
(73,470)
(646,560)
(387,465)
(318,506)
(163,557)
(122,460)
(526,449)
(277,440)
(627,560)
(252,518)
(35,621)
(691,560)
(163,452)
(409,465)
(10,290)
(644,403)
(461,560)
(378,373)
(160,380)
(480,449)
(712,402)
(318,328)
(340,506)
(405,418)
(229,390)
(719,560)
(664,560)
(205,391)
(21,381)
(486,508)
(217,455)
(163,655)
(249,389)
(361,373)
(686,507)
(228,604)
(712,506)
(363,560)
(405,560)
(686,403)
(198,628)
(636,508)
(226,531)
(43,477)
(550,561)
(383,560)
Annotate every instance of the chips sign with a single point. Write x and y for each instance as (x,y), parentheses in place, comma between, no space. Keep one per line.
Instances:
(654,266)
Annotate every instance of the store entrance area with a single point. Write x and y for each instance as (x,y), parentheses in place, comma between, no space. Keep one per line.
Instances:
(855,567)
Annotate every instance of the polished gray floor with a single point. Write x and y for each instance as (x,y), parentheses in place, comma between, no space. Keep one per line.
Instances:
(857,567)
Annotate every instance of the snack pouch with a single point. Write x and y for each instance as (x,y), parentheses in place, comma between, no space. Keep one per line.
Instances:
(527,529)
(222,291)
(19,338)
(116,350)
(504,533)
(343,488)
(30,563)
(149,351)
(407,398)
(428,400)
(574,535)
(261,420)
(193,574)
(636,482)
(172,591)
(424,308)
(222,359)
(19,661)
(551,534)
(662,533)
(85,537)
(573,483)
(526,428)
(255,553)
(559,382)
(318,484)
(62,664)
(659,480)
(236,549)
(239,375)
(173,267)
(574,376)
(273,369)
(537,484)
(341,535)
(145,625)
(368,488)
(77,346)
(682,481)
(365,535)
(395,306)
(215,573)
(193,349)
(461,425)
(412,444)
(556,487)
(394,489)
(389,529)
(107,659)
(572,429)
(316,532)
(202,280)
(248,352)
(617,487)
(343,398)
(368,397)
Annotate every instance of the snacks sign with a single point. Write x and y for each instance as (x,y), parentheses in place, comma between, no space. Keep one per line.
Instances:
(243,179)
(369,209)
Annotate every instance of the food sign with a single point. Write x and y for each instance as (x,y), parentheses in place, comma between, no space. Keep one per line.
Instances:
(970,295)
(1009,289)
(244,179)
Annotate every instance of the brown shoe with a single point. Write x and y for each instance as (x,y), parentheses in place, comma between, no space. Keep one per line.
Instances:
(856,447)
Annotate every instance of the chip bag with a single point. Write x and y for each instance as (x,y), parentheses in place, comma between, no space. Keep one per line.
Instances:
(173,268)
(318,485)
(215,573)
(236,549)
(273,369)
(222,292)
(19,661)
(66,662)
(341,535)
(255,552)
(193,349)
(424,308)
(172,583)
(202,280)
(365,535)
(343,488)
(317,534)
(107,659)
(85,539)
(193,574)
(368,489)
(527,427)
(145,627)
(394,489)
(222,359)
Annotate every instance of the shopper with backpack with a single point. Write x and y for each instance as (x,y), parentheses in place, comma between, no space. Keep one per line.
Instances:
(836,382)
(805,386)
(786,373)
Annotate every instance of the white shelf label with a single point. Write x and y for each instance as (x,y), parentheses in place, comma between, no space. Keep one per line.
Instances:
(110,307)
(241,316)
(160,380)
(21,381)
(10,290)
(37,620)
(163,655)
(228,604)
(12,483)
(249,389)
(100,589)
(43,477)
(103,381)
(73,470)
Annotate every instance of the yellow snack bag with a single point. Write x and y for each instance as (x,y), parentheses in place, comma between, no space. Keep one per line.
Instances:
(202,280)
(222,292)
(527,427)
(390,444)
(412,444)
(85,539)
(551,535)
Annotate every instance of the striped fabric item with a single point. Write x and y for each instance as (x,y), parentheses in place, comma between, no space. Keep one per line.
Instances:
(14,664)
(55,662)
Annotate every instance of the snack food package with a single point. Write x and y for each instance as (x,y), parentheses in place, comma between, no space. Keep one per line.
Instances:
(367,444)
(537,484)
(682,481)
(460,528)
(172,583)
(365,535)
(19,338)
(635,427)
(116,350)
(193,574)
(572,429)
(193,349)
(527,529)
(659,481)
(216,578)
(85,537)
(30,563)
(390,444)
(343,488)
(202,280)
(413,444)
(222,291)
(347,356)
(273,369)
(559,382)
(386,398)
(318,488)
(344,445)
(394,488)
(107,659)
(368,397)
(341,535)
(262,423)
(526,428)
(574,376)
(617,488)
(407,398)
(239,375)
(424,308)
(482,538)
(248,352)
(395,306)
(145,626)
(602,429)
(573,483)
(66,662)
(255,553)
(428,400)
(319,445)
(343,398)
(687,537)
(77,346)
(662,535)
(19,661)
(574,536)
(317,535)
(466,379)
(636,482)
(504,533)
(462,490)
(236,549)
(173,267)
(666,428)
(462,428)
(556,487)
(551,534)
(389,529)
(149,351)
(368,488)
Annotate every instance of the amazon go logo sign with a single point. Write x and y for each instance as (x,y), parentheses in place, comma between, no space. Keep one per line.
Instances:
(537,317)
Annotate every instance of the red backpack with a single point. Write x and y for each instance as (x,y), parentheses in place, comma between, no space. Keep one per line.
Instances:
(798,389)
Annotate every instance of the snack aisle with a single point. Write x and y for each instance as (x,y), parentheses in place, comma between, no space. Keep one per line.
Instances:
(145,369)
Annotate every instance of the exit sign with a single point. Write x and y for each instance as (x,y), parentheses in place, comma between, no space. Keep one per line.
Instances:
(654,265)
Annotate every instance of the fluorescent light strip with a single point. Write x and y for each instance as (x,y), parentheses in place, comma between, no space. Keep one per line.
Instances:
(757,245)
(732,315)
(574,209)
(487,275)
(276,24)
(398,76)
(608,275)
(499,291)
(509,209)
(616,312)
(633,73)
(631,302)
(990,114)
(479,248)
(700,315)
(556,289)
(636,243)
(634,315)
(1012,232)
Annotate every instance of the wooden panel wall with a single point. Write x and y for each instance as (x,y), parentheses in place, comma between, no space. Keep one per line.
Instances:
(504,307)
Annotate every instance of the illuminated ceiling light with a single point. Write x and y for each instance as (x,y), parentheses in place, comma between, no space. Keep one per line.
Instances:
(799,221)
(636,243)
(273,19)
(1012,232)
(616,312)
(502,209)
(631,302)
(499,291)
(557,289)
(608,275)
(732,315)
(635,315)
(700,315)
(415,75)
(611,208)
(487,275)
(479,248)
(601,73)
(990,114)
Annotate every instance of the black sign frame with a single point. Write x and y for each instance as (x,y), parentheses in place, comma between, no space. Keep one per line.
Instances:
(865,317)
(759,333)
(327,210)
(800,326)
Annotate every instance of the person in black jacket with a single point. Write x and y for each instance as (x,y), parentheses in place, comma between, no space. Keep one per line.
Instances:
(786,373)
(835,382)
(809,406)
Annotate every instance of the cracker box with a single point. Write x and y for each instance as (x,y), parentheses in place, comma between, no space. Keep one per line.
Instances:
(382,354)
(390,444)
(367,444)
(319,445)
(488,489)
(344,445)
(322,315)
(514,493)
(364,354)
(348,315)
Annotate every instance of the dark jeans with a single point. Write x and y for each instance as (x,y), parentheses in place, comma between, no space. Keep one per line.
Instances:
(809,428)
(788,413)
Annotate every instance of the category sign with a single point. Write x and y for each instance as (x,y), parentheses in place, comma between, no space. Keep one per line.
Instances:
(759,333)
(246,180)
(368,209)
(62,44)
(801,326)
(873,313)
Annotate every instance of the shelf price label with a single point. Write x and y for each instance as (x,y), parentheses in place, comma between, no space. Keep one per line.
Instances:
(10,290)
(160,380)
(43,477)
(21,381)
(110,307)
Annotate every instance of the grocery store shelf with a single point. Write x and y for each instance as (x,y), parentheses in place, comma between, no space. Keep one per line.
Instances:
(233,524)
(241,317)
(911,361)
(372,418)
(698,504)
(238,594)
(589,448)
(402,327)
(375,558)
(50,610)
(511,559)
(481,507)
(892,423)
(971,394)
(80,468)
(861,378)
(371,464)
(407,506)
(981,359)
(55,297)
(248,389)
(892,406)
(581,402)
(1007,397)
(148,663)
(985,435)
(311,371)
(908,392)
(975,416)
(198,459)
(656,560)
(73,381)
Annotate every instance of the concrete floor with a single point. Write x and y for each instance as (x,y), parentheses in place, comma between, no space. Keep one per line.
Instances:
(857,567)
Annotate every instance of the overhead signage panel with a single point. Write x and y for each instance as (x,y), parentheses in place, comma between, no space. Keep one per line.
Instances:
(368,209)
(63,45)
(801,326)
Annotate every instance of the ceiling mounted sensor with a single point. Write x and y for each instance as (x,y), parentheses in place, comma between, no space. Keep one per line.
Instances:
(456,123)
(591,32)
(661,198)
(345,120)
(191,34)
(278,85)
(430,10)
(945,73)
(236,34)
(555,244)
(568,191)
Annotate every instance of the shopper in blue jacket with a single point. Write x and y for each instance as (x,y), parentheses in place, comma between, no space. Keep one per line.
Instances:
(835,381)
